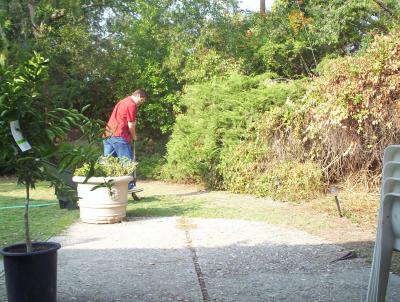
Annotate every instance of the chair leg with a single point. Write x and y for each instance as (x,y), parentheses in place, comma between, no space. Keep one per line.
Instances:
(382,257)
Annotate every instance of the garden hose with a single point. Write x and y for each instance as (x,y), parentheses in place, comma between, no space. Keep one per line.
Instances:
(31,206)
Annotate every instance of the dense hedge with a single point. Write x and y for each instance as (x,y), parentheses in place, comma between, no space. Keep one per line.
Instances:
(220,116)
(271,161)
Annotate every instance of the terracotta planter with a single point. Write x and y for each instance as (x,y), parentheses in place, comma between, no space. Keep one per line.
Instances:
(102,205)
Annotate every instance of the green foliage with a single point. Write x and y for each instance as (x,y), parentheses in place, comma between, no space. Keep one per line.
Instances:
(271,161)
(101,51)
(291,181)
(151,50)
(338,130)
(249,170)
(150,166)
(296,35)
(219,115)
(107,167)
(43,124)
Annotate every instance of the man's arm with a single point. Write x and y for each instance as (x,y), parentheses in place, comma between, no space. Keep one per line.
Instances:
(132,129)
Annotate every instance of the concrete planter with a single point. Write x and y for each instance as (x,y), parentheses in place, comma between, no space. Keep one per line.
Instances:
(102,205)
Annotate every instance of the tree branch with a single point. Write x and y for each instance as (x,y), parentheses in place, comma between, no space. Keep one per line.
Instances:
(4,50)
(31,8)
(386,9)
(62,12)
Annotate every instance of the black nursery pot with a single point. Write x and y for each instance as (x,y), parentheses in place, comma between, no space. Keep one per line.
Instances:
(31,276)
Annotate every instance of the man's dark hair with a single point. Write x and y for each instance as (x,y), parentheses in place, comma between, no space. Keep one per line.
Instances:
(141,92)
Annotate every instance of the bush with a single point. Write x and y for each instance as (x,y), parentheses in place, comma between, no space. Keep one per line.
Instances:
(256,135)
(353,110)
(290,181)
(151,166)
(219,115)
(270,163)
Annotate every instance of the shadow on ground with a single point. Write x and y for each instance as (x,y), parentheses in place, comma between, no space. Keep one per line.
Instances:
(236,272)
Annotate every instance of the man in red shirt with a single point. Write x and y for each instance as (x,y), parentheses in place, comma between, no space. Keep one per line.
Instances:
(121,127)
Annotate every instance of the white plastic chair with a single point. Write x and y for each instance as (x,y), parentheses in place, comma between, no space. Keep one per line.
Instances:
(388,230)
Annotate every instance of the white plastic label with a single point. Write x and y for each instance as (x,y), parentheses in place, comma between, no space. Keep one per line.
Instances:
(19,137)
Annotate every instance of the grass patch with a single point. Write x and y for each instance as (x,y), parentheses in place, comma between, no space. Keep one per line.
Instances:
(359,207)
(211,207)
(45,222)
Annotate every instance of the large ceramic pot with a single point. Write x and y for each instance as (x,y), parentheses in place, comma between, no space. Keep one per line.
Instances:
(102,204)
(31,277)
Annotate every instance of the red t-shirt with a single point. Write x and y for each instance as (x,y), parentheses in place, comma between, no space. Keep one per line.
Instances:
(124,112)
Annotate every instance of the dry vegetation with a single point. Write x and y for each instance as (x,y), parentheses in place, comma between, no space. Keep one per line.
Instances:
(353,111)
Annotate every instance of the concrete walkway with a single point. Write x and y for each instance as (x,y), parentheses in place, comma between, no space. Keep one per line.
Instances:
(175,259)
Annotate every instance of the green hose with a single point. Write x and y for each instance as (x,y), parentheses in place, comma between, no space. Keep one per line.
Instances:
(31,206)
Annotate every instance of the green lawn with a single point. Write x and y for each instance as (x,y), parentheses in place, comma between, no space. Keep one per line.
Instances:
(45,222)
(232,208)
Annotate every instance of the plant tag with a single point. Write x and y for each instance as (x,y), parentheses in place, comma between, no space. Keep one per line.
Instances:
(19,137)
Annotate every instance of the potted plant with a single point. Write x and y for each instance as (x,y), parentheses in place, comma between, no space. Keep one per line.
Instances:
(103,196)
(32,128)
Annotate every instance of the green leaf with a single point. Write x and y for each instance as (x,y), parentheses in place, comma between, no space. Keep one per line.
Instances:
(85,107)
(50,134)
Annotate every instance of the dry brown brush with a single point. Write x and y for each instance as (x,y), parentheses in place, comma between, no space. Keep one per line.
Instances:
(353,111)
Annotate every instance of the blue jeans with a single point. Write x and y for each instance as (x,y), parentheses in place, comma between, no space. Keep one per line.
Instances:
(118,147)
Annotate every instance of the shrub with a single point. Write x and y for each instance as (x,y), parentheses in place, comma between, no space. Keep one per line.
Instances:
(353,110)
(256,135)
(107,167)
(218,116)
(270,163)
(151,166)
(290,181)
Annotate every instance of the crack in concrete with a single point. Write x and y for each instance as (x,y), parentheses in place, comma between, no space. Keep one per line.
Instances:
(186,226)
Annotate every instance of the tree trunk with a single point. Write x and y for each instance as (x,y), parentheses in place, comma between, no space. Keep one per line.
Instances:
(26,221)
(385,8)
(35,29)
(262,7)
(4,50)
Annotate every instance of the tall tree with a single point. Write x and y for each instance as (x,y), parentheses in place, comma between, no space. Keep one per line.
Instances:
(262,7)
(297,34)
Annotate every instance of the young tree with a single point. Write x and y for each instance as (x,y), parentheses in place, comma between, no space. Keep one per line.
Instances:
(32,128)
